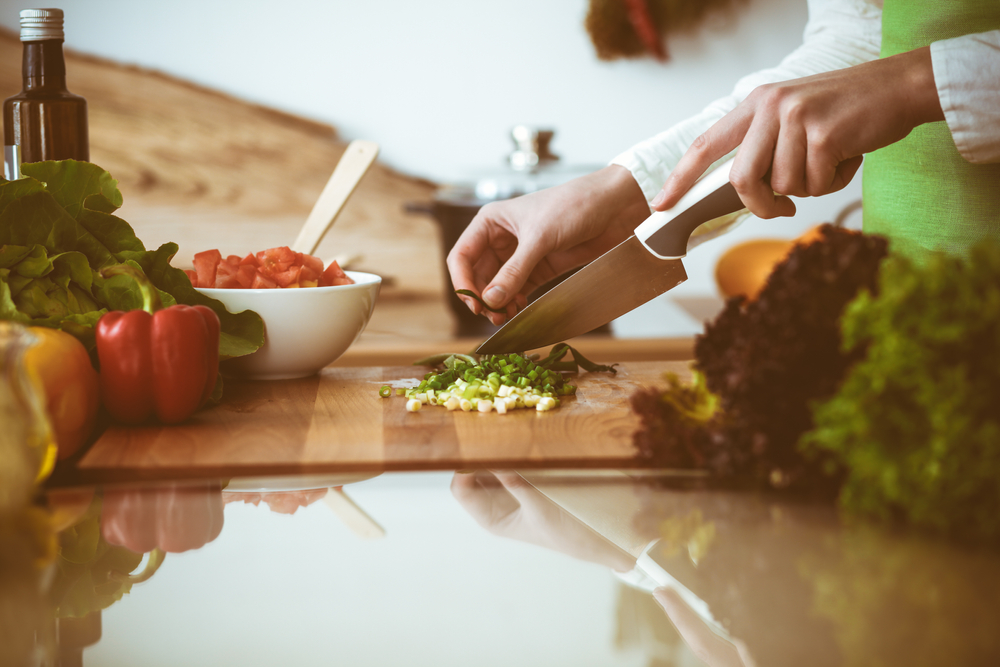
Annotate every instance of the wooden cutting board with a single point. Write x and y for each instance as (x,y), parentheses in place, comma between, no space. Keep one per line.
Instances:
(336,422)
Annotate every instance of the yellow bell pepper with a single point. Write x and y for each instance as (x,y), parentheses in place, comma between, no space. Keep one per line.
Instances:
(72,395)
(27,446)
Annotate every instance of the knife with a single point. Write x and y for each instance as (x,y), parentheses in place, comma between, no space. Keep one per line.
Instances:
(635,271)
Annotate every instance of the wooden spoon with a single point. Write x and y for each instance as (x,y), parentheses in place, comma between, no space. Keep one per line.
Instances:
(348,172)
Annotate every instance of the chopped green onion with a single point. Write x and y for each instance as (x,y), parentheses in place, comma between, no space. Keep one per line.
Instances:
(501,382)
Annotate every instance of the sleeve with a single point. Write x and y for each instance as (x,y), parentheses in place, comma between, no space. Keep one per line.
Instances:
(966,73)
(839,33)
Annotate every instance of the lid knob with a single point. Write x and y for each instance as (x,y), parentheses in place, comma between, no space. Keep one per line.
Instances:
(531,148)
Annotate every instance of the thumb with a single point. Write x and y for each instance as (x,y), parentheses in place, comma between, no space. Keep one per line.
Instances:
(513,275)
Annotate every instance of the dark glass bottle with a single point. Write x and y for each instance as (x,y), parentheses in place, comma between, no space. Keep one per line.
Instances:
(44,121)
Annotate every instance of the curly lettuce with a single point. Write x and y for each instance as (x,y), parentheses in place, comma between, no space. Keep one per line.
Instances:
(916,422)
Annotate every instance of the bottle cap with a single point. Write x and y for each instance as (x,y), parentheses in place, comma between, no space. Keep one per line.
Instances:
(41,24)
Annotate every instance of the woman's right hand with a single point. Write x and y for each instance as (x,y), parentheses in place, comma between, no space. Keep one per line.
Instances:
(513,246)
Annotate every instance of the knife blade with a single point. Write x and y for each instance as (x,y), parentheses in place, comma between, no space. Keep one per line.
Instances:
(635,271)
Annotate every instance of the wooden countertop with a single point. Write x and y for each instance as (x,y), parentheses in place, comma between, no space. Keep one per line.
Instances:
(336,422)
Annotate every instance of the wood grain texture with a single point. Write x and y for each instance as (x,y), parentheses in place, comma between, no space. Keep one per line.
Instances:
(336,422)
(207,170)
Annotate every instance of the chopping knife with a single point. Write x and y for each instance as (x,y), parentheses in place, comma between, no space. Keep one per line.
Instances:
(635,271)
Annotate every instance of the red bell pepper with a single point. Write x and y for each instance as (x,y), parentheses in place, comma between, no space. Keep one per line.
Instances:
(156,360)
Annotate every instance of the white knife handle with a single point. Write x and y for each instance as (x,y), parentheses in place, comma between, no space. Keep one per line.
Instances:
(666,233)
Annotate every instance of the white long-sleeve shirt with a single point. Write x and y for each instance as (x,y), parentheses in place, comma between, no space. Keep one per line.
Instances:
(844,33)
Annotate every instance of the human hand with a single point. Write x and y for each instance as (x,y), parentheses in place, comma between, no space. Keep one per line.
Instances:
(506,505)
(807,137)
(513,246)
(709,647)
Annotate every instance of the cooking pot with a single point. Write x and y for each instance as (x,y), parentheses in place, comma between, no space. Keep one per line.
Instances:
(529,168)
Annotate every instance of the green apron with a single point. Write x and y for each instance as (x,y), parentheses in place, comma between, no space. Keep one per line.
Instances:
(920,192)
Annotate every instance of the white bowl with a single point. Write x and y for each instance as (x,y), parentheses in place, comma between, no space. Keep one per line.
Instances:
(305,329)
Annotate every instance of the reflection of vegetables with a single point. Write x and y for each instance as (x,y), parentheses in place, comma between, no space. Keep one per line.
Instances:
(916,424)
(903,600)
(767,360)
(71,391)
(57,230)
(283,502)
(156,360)
(26,557)
(172,518)
(91,573)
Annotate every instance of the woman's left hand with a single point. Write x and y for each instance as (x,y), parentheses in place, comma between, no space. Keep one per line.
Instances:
(807,137)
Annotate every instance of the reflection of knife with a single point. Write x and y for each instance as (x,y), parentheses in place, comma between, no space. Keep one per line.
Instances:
(627,276)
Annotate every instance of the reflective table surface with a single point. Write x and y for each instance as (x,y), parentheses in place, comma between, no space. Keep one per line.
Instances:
(480,568)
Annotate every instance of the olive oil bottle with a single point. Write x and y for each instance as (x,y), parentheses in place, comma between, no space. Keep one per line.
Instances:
(44,121)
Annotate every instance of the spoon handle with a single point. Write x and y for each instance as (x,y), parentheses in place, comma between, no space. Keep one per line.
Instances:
(352,166)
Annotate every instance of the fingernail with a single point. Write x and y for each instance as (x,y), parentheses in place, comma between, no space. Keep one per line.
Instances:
(495,296)
(660,197)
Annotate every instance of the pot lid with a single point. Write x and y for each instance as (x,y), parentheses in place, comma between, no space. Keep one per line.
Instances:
(530,167)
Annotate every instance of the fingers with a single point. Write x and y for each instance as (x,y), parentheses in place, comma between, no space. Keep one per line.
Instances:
(701,639)
(464,256)
(788,170)
(751,172)
(483,497)
(514,274)
(718,141)
(838,176)
(520,489)
(478,254)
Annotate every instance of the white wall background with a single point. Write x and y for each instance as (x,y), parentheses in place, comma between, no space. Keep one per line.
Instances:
(439,83)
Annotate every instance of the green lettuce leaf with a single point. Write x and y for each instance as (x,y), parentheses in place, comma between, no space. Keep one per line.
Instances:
(57,231)
(242,332)
(77,185)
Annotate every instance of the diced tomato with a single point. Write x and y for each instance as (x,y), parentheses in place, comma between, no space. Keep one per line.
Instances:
(275,260)
(275,267)
(262,282)
(308,274)
(245,274)
(334,275)
(287,277)
(314,264)
(205,264)
(225,276)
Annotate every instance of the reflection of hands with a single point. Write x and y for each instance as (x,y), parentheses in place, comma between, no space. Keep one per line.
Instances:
(806,137)
(172,518)
(710,648)
(513,246)
(505,504)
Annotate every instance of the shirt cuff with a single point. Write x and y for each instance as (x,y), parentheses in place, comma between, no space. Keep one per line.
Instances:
(966,70)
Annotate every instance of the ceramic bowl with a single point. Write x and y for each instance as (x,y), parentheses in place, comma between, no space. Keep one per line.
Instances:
(305,329)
